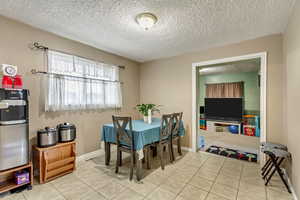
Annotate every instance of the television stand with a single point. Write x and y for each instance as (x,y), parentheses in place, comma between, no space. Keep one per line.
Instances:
(214,125)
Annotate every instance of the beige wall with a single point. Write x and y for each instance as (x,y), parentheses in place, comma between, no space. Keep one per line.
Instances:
(168,81)
(14,40)
(292,93)
(165,81)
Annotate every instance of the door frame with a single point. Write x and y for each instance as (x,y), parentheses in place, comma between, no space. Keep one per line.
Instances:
(263,92)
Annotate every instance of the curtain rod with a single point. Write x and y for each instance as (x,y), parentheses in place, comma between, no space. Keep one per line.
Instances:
(38,46)
(224,83)
(34,71)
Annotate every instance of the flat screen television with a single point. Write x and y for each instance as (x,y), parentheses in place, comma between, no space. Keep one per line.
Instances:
(228,109)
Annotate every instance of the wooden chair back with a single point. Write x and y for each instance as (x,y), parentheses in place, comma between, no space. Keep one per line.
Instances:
(177,117)
(124,136)
(166,126)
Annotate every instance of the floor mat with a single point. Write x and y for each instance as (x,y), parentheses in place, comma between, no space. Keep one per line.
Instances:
(232,153)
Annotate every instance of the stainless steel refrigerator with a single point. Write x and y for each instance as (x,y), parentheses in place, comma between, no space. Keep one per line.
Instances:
(14,136)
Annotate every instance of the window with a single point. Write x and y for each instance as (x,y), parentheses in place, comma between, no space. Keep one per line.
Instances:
(78,83)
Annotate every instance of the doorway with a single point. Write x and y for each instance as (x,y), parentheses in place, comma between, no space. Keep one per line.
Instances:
(262,58)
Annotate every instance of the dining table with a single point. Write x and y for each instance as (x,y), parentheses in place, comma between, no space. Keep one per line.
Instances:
(143,134)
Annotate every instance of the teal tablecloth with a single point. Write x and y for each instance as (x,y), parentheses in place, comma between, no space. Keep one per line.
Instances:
(144,133)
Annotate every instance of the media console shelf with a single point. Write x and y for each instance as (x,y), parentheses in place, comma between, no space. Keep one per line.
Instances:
(213,125)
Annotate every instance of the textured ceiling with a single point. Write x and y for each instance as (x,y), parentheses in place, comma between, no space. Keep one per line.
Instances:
(183,25)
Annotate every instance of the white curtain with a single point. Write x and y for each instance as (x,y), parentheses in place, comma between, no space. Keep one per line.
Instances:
(72,93)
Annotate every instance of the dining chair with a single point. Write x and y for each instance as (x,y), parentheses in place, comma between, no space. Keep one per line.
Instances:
(165,139)
(124,140)
(177,117)
(125,143)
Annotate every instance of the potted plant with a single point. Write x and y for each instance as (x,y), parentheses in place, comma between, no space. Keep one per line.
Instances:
(146,110)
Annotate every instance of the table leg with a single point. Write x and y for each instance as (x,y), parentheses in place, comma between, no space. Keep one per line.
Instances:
(144,159)
(154,151)
(148,158)
(138,168)
(120,158)
(107,152)
(179,145)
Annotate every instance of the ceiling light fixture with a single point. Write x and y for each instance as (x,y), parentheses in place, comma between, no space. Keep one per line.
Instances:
(146,20)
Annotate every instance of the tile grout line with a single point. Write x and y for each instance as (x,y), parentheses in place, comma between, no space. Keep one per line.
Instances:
(24,196)
(223,164)
(219,173)
(58,191)
(85,183)
(238,189)
(212,181)
(215,181)
(162,183)
(89,185)
(190,179)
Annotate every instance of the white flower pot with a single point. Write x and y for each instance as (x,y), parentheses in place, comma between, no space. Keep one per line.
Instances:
(145,119)
(149,116)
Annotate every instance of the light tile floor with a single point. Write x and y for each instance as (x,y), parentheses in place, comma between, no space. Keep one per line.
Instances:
(200,176)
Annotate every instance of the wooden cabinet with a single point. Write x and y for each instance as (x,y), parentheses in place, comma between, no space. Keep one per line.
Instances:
(7,179)
(55,161)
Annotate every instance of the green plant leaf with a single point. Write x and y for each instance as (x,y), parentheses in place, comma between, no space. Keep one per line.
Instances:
(143,108)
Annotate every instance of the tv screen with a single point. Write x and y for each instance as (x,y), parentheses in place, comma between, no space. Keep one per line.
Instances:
(230,109)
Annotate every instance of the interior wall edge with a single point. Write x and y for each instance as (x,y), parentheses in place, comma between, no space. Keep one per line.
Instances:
(291,52)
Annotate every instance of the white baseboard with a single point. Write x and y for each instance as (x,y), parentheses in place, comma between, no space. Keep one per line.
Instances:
(290,185)
(185,148)
(99,152)
(90,155)
(101,144)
